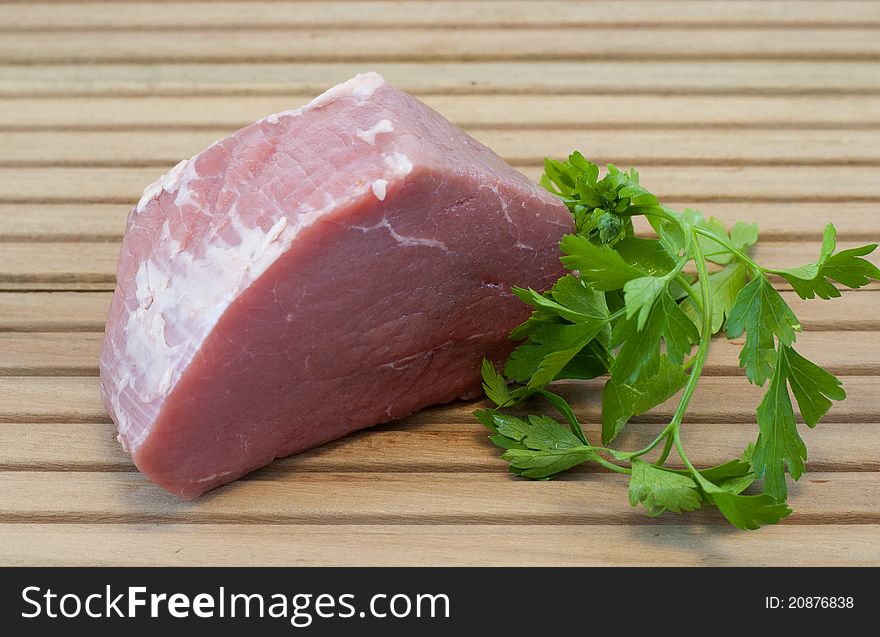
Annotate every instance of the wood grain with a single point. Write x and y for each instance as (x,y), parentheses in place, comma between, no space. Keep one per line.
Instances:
(364,15)
(564,112)
(435,45)
(522,147)
(50,400)
(283,78)
(182,544)
(54,311)
(426,447)
(60,262)
(76,399)
(398,498)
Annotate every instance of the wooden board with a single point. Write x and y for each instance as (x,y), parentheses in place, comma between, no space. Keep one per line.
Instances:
(764,111)
(361,16)
(436,45)
(588,111)
(754,77)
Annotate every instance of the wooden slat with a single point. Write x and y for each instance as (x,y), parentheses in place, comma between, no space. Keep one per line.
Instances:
(431,44)
(63,222)
(76,353)
(683,184)
(176,15)
(476,111)
(55,286)
(49,353)
(50,400)
(76,399)
(432,545)
(824,78)
(59,262)
(57,311)
(425,447)
(523,147)
(39,223)
(96,262)
(395,498)
(87,311)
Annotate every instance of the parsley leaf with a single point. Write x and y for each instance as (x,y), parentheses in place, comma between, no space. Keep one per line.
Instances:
(762,313)
(537,447)
(639,296)
(660,490)
(779,445)
(741,236)
(647,255)
(545,463)
(639,353)
(621,401)
(601,266)
(812,386)
(724,286)
(550,348)
(749,512)
(734,476)
(494,385)
(566,320)
(568,299)
(846,267)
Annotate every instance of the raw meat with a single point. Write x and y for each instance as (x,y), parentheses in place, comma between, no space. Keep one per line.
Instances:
(322,270)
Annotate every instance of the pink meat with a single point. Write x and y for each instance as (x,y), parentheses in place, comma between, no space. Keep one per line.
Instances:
(322,270)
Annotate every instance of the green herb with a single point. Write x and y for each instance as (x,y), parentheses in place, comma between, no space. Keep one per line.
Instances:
(633,310)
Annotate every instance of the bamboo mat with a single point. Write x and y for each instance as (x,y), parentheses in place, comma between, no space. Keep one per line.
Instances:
(764,111)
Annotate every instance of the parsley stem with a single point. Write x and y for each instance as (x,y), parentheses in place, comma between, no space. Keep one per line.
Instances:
(602,354)
(610,465)
(565,409)
(724,243)
(654,211)
(698,477)
(705,339)
(687,463)
(615,315)
(704,301)
(683,282)
(658,211)
(650,446)
(665,453)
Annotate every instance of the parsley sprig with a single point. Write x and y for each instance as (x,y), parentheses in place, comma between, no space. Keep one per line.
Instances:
(632,309)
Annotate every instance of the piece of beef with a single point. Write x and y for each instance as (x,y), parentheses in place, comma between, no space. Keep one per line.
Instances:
(322,270)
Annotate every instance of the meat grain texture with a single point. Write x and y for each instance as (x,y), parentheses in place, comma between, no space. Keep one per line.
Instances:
(323,270)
